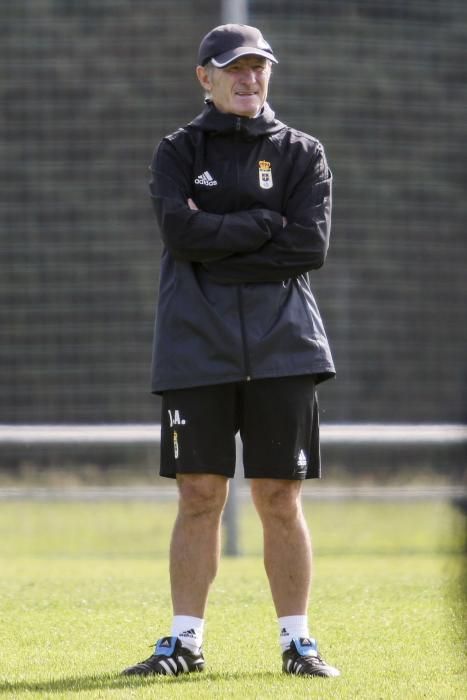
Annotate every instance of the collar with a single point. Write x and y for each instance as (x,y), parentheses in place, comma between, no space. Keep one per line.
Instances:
(215,122)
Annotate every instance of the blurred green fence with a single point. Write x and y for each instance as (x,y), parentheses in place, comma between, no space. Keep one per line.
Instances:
(88,89)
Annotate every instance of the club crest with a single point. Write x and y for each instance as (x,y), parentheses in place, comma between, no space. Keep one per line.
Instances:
(265,174)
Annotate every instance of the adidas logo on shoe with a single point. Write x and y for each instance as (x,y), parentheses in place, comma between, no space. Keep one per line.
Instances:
(206,179)
(305,642)
(170,658)
(302,659)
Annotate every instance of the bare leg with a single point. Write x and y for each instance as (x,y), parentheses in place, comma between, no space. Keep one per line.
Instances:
(195,545)
(287,546)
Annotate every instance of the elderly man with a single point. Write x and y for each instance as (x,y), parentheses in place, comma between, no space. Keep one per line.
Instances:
(243,205)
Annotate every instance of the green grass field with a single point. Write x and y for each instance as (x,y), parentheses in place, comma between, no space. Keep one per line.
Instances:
(84,592)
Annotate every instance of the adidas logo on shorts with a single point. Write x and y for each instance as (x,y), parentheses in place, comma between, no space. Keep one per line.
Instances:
(206,179)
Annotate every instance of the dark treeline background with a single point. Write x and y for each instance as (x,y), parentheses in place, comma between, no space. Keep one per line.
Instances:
(88,89)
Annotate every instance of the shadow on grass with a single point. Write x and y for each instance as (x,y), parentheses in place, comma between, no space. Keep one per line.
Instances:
(77,684)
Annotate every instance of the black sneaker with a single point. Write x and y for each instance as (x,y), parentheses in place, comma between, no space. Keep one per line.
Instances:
(302,659)
(170,658)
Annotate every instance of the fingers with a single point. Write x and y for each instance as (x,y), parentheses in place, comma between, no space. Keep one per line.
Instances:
(192,205)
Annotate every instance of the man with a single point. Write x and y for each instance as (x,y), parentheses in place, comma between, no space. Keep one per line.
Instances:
(243,204)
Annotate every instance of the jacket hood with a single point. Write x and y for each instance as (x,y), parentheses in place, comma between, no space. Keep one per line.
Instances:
(214,122)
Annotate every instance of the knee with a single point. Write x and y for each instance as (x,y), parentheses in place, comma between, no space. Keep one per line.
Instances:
(277,499)
(202,494)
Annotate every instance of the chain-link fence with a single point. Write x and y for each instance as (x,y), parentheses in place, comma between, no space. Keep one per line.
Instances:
(88,89)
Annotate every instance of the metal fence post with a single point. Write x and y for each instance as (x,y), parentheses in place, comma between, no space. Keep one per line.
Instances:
(231,512)
(235,11)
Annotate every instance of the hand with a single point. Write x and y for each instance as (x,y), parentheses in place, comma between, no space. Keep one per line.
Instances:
(284,222)
(192,205)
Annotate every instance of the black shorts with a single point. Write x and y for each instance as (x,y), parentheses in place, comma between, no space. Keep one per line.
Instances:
(277,419)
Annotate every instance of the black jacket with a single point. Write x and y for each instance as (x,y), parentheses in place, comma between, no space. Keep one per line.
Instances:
(234,300)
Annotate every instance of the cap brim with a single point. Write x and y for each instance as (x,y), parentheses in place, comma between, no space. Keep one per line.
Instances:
(224,59)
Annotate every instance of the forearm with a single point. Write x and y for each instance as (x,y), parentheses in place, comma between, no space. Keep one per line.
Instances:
(200,236)
(294,250)
(269,264)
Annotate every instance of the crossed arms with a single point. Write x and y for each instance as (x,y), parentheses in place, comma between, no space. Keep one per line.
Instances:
(251,245)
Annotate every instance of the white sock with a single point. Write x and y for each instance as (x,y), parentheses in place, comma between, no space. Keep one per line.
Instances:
(189,630)
(290,627)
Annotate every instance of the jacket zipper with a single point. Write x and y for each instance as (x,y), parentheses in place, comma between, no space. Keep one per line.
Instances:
(246,358)
(241,311)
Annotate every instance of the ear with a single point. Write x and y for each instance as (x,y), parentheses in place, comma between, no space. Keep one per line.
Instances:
(203,77)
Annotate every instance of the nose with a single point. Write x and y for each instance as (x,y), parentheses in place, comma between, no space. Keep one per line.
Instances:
(247,75)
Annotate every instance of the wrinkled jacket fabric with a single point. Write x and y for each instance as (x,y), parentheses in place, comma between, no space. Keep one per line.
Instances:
(235,301)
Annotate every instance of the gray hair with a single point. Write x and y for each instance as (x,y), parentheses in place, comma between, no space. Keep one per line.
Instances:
(209,67)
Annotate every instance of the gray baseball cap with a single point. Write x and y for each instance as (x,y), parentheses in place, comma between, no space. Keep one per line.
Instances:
(224,44)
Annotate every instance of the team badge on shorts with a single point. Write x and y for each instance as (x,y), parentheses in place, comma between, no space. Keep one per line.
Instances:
(265,174)
(175,437)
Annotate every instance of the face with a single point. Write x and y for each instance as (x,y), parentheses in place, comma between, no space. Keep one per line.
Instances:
(240,88)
